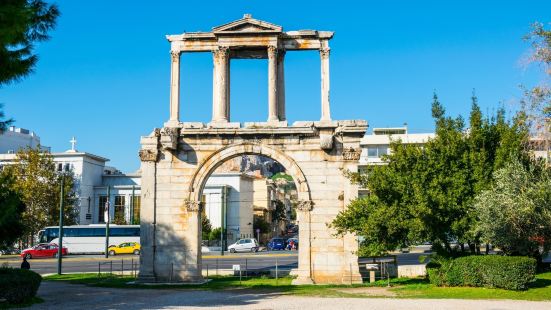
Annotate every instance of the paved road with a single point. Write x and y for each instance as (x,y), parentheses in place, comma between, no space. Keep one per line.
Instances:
(94,263)
(249,261)
(72,296)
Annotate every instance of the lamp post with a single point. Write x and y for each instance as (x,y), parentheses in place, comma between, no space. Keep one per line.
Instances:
(107,216)
(60,245)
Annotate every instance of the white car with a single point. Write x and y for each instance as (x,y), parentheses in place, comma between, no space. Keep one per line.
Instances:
(244,245)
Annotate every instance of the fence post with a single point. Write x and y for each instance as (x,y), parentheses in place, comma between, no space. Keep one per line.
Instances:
(171,271)
(276,272)
(350,274)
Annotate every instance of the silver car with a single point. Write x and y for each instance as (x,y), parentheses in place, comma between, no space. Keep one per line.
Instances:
(244,245)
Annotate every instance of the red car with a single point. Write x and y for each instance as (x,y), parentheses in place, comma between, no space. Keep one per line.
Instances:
(43,250)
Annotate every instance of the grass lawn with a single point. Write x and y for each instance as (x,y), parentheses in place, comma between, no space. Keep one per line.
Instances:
(400,288)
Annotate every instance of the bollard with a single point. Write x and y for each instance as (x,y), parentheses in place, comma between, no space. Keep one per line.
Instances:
(207,271)
(239,274)
(122,267)
(132,268)
(99,269)
(217,266)
(246,268)
(111,270)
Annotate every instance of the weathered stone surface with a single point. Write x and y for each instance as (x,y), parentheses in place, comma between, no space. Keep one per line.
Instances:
(172,187)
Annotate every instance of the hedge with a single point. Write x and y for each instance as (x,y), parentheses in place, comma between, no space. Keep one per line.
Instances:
(18,285)
(493,271)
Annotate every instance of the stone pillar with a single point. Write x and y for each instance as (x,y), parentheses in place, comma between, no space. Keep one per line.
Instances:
(304,270)
(174,88)
(272,84)
(281,85)
(325,111)
(221,102)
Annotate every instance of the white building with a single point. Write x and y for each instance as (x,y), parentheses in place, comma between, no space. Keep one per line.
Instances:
(14,139)
(92,179)
(228,198)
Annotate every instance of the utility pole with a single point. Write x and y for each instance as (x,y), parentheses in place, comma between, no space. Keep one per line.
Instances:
(60,245)
(107,219)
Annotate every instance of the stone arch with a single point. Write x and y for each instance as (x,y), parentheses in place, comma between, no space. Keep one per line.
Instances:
(213,161)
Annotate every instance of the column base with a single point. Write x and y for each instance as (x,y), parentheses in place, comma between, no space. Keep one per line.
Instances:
(224,124)
(172,123)
(302,281)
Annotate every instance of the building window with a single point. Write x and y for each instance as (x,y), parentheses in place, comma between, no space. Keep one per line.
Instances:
(136,204)
(67,167)
(59,167)
(376,151)
(119,210)
(101,209)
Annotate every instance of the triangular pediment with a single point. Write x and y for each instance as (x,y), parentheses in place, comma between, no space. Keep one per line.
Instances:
(247,24)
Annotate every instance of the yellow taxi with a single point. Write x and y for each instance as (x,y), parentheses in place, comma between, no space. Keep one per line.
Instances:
(125,248)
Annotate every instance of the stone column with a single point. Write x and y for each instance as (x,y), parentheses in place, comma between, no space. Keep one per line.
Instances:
(221,102)
(272,84)
(281,85)
(174,88)
(304,270)
(325,111)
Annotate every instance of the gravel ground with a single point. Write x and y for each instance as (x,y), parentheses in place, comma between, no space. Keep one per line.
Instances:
(58,295)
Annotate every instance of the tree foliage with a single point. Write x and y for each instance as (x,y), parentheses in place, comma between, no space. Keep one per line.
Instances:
(425,193)
(39,186)
(4,123)
(22,24)
(11,211)
(515,213)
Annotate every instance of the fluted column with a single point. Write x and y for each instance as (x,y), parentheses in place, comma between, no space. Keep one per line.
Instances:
(325,110)
(272,84)
(174,118)
(220,94)
(281,85)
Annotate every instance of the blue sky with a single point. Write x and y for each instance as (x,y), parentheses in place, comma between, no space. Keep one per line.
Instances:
(104,75)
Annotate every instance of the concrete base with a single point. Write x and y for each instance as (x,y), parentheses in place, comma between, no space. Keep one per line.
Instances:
(302,281)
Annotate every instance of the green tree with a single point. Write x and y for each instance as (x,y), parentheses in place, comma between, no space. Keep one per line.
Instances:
(515,213)
(22,24)
(425,193)
(4,123)
(11,211)
(206,227)
(260,223)
(39,184)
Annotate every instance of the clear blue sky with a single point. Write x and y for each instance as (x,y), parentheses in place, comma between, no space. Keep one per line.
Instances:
(104,75)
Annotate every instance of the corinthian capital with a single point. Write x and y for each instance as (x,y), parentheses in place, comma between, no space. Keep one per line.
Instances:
(272,51)
(324,52)
(305,205)
(192,205)
(221,52)
(175,55)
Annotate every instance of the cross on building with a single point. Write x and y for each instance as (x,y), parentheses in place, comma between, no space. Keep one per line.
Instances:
(73,144)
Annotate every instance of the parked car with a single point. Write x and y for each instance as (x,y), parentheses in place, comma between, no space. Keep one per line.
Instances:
(43,250)
(244,245)
(276,244)
(125,248)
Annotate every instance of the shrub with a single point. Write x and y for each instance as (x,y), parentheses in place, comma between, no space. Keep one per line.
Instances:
(18,285)
(507,272)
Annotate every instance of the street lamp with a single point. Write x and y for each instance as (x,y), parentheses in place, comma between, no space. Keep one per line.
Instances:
(106,216)
(60,245)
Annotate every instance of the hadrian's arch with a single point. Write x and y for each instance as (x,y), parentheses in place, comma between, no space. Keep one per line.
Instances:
(178,158)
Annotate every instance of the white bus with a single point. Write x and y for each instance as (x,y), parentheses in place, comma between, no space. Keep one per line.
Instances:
(90,239)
